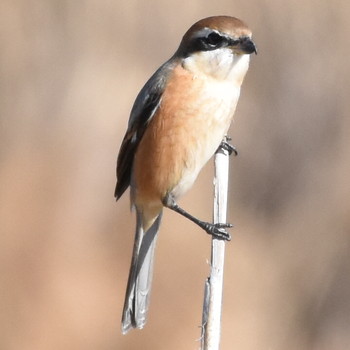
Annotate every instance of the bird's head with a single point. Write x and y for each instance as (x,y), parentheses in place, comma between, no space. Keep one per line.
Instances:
(215,44)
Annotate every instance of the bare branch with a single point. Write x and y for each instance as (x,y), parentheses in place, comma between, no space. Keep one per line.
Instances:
(211,319)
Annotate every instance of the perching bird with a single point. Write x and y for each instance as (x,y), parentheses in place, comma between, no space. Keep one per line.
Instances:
(178,121)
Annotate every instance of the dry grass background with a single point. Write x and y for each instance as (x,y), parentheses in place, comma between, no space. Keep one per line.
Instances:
(69,72)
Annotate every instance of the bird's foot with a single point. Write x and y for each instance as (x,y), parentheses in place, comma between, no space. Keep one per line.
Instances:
(226,146)
(216,230)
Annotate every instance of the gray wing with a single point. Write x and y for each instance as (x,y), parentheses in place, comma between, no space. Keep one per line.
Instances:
(144,108)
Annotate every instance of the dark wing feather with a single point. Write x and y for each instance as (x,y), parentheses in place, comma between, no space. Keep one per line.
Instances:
(145,106)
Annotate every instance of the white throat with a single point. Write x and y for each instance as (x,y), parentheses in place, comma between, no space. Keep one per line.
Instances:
(220,64)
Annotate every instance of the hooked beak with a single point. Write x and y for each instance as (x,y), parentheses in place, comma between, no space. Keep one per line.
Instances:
(244,45)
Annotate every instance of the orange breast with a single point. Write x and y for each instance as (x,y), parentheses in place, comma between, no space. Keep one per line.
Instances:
(177,136)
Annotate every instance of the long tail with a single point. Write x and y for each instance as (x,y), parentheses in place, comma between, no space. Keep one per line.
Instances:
(140,276)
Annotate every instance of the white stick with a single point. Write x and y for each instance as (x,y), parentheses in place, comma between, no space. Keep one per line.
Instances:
(211,322)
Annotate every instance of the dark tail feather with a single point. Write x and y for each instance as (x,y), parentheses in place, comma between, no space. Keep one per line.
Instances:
(140,276)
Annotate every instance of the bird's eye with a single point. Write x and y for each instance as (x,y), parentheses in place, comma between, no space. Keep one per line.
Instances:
(214,39)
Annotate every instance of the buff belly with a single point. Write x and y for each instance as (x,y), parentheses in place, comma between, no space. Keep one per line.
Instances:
(193,117)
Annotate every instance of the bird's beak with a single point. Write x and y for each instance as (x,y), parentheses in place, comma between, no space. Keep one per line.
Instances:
(244,45)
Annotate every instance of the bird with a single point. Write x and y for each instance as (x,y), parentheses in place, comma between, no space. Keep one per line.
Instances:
(178,120)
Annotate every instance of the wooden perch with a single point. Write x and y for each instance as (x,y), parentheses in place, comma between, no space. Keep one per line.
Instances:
(211,319)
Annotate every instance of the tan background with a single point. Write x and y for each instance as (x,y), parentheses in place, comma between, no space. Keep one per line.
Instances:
(69,72)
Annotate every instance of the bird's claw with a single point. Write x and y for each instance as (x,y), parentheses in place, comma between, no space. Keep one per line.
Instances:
(218,230)
(226,146)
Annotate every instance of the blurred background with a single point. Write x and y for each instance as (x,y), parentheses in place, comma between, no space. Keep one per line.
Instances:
(69,73)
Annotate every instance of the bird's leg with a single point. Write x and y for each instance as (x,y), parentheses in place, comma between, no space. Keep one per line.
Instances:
(225,145)
(216,230)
